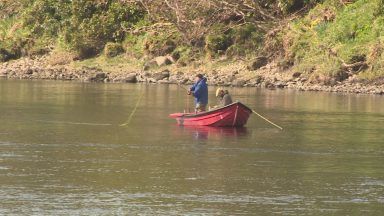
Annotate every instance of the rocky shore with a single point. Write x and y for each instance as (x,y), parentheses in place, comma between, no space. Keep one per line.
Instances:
(238,75)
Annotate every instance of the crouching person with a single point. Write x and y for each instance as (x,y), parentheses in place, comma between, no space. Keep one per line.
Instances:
(224,97)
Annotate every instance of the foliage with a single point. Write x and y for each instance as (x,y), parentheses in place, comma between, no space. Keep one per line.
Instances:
(93,25)
(218,40)
(113,49)
(331,36)
(317,37)
(163,42)
(183,55)
(293,5)
(83,26)
(196,20)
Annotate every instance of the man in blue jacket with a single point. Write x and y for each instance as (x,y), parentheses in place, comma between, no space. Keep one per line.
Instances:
(200,91)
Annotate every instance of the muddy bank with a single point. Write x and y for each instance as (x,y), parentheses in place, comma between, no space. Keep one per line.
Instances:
(237,75)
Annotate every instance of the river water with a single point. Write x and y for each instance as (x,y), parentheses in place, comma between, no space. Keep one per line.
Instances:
(62,152)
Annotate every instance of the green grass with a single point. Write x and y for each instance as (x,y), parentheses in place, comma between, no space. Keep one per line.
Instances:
(319,45)
(121,63)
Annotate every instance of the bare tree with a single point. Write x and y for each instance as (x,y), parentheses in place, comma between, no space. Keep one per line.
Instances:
(195,18)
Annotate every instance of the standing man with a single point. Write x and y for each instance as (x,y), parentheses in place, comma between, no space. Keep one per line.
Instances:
(200,91)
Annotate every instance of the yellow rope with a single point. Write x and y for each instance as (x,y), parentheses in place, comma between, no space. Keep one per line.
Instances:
(267,120)
(134,110)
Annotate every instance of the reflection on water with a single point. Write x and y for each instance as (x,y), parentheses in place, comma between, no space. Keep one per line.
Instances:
(62,152)
(218,133)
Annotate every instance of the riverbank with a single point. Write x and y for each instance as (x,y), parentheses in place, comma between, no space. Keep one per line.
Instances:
(219,73)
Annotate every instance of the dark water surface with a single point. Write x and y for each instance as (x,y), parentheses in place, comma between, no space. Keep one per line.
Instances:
(62,152)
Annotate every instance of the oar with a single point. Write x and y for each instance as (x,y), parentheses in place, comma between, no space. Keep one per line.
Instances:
(133,111)
(267,120)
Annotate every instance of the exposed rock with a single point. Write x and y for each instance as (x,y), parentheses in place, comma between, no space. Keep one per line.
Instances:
(238,83)
(280,84)
(162,61)
(161,75)
(341,75)
(343,81)
(151,80)
(172,59)
(29,71)
(184,81)
(4,72)
(269,85)
(158,62)
(130,78)
(258,62)
(148,65)
(230,78)
(141,78)
(296,75)
(259,79)
(164,81)
(99,77)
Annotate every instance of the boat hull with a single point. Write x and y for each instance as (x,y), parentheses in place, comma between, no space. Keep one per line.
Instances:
(233,115)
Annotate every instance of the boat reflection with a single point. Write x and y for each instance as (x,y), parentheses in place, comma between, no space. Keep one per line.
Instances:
(205,132)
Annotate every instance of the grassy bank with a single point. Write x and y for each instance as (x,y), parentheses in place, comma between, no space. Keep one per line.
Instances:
(334,41)
(324,41)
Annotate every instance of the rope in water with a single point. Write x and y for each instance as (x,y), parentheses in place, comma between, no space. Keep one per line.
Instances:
(267,120)
(134,109)
(74,123)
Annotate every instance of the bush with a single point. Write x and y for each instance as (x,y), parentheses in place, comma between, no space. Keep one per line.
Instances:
(159,43)
(60,57)
(183,55)
(82,26)
(320,44)
(93,25)
(113,49)
(4,55)
(288,6)
(247,40)
(134,45)
(216,43)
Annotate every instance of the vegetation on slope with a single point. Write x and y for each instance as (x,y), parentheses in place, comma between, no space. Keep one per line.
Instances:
(334,41)
(326,40)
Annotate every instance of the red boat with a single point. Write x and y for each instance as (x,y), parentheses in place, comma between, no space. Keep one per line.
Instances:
(233,115)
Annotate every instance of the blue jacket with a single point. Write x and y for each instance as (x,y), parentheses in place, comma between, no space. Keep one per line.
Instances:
(200,91)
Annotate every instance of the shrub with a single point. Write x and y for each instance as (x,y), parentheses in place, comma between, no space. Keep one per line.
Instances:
(293,5)
(113,49)
(182,54)
(60,57)
(218,40)
(247,40)
(161,42)
(93,25)
(83,26)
